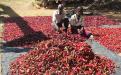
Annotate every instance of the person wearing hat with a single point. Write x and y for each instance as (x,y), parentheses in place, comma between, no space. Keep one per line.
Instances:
(59,19)
(76,21)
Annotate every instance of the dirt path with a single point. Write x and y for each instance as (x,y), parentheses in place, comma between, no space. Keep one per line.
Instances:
(25,8)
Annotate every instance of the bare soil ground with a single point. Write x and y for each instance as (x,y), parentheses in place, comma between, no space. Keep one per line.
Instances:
(25,8)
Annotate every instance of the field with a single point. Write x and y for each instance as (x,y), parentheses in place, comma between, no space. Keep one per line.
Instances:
(25,27)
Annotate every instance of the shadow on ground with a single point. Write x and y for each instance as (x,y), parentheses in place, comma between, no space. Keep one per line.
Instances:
(15,49)
(29,39)
(30,36)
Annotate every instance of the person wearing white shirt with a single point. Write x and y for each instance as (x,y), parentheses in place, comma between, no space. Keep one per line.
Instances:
(59,19)
(77,26)
(76,21)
